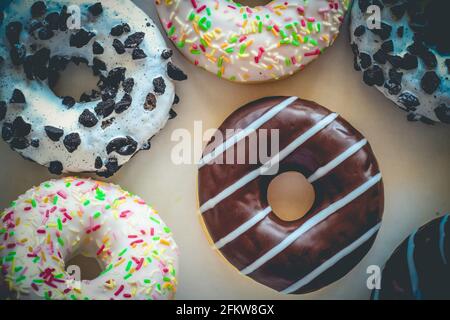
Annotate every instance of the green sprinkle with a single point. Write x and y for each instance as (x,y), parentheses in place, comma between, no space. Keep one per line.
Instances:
(149,260)
(68,184)
(147,281)
(107,207)
(61,241)
(46,295)
(155,220)
(123,252)
(191,16)
(55,200)
(33,203)
(97,215)
(129,264)
(86,203)
(73,297)
(21,278)
(229,50)
(167,230)
(35,260)
(17,269)
(38,281)
(128,276)
(166,279)
(107,269)
(60,225)
(171,31)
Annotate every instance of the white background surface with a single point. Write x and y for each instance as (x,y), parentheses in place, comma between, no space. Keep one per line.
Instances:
(414,159)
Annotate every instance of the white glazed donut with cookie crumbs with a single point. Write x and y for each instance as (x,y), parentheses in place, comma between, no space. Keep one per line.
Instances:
(62,218)
(246,44)
(103,129)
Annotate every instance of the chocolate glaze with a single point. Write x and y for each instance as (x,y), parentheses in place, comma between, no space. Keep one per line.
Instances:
(433,274)
(324,240)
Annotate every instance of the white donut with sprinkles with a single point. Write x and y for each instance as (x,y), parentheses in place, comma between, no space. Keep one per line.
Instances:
(245,44)
(60,219)
(101,130)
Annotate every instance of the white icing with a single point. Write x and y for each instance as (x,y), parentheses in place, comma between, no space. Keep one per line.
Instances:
(228,22)
(337,161)
(243,228)
(251,128)
(332,261)
(321,172)
(211,203)
(55,238)
(43,108)
(310,223)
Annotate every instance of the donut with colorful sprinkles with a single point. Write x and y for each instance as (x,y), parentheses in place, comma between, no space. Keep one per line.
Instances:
(60,219)
(246,44)
(304,255)
(101,130)
(419,267)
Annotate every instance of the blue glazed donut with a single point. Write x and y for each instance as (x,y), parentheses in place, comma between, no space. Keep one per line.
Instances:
(408,57)
(419,268)
(106,127)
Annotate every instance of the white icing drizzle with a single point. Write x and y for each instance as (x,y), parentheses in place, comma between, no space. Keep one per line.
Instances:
(316,219)
(269,164)
(243,227)
(252,127)
(337,161)
(332,261)
(314,177)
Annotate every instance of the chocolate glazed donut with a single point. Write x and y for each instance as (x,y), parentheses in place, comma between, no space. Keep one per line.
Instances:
(307,254)
(419,268)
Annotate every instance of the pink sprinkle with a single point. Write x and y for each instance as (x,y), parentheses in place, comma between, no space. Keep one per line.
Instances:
(40,231)
(62,194)
(152,232)
(34,286)
(203,7)
(136,242)
(27,209)
(127,295)
(119,290)
(67,216)
(99,252)
(79,183)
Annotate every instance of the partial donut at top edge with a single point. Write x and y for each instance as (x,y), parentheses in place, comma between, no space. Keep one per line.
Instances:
(248,45)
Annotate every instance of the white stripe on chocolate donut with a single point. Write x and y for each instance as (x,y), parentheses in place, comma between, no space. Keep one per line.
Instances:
(337,160)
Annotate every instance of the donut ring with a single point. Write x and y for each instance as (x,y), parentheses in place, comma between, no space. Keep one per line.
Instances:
(303,255)
(106,128)
(408,59)
(419,267)
(60,218)
(245,44)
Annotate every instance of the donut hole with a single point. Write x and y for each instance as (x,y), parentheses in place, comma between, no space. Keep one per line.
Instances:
(253,3)
(77,81)
(290,195)
(89,267)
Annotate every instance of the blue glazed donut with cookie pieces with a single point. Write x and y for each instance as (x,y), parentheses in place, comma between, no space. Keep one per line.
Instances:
(408,57)
(103,129)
